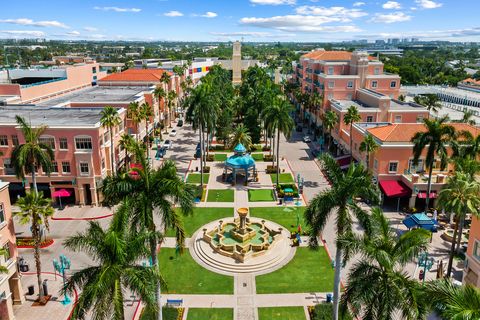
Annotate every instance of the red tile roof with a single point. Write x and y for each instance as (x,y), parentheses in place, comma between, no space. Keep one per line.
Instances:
(140,75)
(331,55)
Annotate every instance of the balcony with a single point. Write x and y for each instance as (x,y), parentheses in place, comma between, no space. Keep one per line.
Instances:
(317,72)
(438,178)
(299,66)
(309,70)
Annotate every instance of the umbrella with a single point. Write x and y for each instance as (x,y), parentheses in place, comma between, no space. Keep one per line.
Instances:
(60,194)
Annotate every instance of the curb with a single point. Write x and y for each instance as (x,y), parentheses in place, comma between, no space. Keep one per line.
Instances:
(83,219)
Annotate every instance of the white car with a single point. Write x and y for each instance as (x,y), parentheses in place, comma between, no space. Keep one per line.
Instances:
(173,133)
(167,144)
(306,139)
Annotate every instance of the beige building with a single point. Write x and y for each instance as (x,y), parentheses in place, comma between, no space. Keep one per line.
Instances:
(237,63)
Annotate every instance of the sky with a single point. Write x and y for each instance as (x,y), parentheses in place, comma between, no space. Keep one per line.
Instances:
(250,20)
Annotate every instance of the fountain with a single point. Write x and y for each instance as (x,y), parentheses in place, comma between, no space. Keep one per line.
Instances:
(241,238)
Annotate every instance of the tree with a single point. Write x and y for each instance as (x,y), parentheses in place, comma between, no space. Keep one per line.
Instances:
(316,101)
(369,146)
(166,79)
(460,196)
(145,113)
(135,115)
(152,191)
(28,157)
(110,119)
(3,252)
(454,302)
(378,287)
(172,95)
(340,200)
(117,252)
(429,101)
(126,142)
(35,209)
(435,139)
(330,120)
(242,136)
(349,119)
(161,94)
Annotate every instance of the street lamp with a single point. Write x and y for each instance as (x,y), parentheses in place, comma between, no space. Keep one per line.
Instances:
(425,262)
(61,266)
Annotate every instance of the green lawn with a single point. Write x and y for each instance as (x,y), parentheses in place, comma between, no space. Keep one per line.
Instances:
(195,178)
(284,178)
(220,156)
(210,314)
(168,314)
(257,156)
(285,216)
(281,313)
(200,217)
(260,195)
(183,275)
(220,195)
(309,271)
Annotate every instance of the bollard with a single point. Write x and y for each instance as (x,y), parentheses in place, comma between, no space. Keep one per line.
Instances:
(45,287)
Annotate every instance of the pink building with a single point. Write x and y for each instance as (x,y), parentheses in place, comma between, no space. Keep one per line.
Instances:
(471,273)
(10,286)
(81,146)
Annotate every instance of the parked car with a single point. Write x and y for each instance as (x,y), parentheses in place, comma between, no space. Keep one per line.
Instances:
(299,128)
(180,123)
(168,144)
(161,152)
(306,139)
(173,133)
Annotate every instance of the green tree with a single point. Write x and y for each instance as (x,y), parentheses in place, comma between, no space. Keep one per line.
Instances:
(35,210)
(434,139)
(316,102)
(146,113)
(172,96)
(378,287)
(135,115)
(28,157)
(117,252)
(429,101)
(241,135)
(369,146)
(161,94)
(110,119)
(349,119)
(126,142)
(340,201)
(3,252)
(330,120)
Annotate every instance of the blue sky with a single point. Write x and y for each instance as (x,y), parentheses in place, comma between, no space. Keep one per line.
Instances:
(254,20)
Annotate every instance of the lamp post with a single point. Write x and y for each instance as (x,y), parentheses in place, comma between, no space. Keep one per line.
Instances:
(425,262)
(61,266)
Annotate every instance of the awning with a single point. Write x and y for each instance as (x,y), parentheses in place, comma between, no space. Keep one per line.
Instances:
(423,195)
(394,188)
(419,220)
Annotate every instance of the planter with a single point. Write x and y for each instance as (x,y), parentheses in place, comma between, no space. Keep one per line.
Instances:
(28,243)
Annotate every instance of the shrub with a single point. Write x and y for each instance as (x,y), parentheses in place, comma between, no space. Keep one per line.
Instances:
(323,311)
(271,169)
(281,190)
(268,157)
(206,169)
(210,157)
(266,148)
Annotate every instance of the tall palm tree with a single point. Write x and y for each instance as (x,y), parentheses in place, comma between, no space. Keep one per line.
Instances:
(349,119)
(454,302)
(117,252)
(467,118)
(145,113)
(110,119)
(152,192)
(316,101)
(435,139)
(166,79)
(241,135)
(330,120)
(135,115)
(161,94)
(378,288)
(369,146)
(126,142)
(36,210)
(172,95)
(27,157)
(429,101)
(341,201)
(460,196)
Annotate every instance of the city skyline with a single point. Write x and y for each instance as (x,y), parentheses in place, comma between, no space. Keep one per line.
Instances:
(252,20)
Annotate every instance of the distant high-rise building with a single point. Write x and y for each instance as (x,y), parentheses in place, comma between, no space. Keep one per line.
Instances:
(379,42)
(237,63)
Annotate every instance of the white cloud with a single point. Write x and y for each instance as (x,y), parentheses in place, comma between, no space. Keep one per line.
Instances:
(117,9)
(30,22)
(23,33)
(428,4)
(73,33)
(209,14)
(274,2)
(90,29)
(359,4)
(254,34)
(391,5)
(340,12)
(173,13)
(390,17)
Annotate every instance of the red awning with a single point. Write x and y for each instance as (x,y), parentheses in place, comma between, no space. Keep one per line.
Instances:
(394,188)
(423,195)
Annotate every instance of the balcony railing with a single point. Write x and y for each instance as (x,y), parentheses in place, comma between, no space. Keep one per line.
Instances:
(317,71)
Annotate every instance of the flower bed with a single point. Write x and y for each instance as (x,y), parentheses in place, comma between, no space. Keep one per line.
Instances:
(281,190)
(27,242)
(271,169)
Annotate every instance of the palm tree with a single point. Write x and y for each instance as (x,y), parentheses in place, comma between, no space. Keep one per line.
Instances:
(135,115)
(117,252)
(172,95)
(152,191)
(110,119)
(316,101)
(369,146)
(3,252)
(435,139)
(161,94)
(460,195)
(378,287)
(454,302)
(330,120)
(35,209)
(126,142)
(241,135)
(166,79)
(340,200)
(145,113)
(429,101)
(27,157)
(467,118)
(349,119)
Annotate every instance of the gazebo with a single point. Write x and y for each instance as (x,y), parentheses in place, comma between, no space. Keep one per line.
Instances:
(240,162)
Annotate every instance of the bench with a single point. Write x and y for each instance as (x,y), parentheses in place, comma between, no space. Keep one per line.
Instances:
(174,302)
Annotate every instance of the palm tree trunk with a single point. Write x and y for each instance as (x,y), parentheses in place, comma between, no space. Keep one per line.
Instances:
(111,151)
(200,129)
(429,187)
(460,232)
(452,250)
(336,282)
(278,157)
(158,291)
(330,140)
(351,145)
(34,178)
(36,254)
(273,147)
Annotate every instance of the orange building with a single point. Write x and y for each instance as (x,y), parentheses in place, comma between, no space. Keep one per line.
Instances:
(471,273)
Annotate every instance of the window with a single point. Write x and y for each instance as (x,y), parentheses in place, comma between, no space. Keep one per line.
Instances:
(412,168)
(15,140)
(476,250)
(94,69)
(350,84)
(103,163)
(374,83)
(7,256)
(54,168)
(331,84)
(3,141)
(330,70)
(66,167)
(106,136)
(63,144)
(392,167)
(398,119)
(8,167)
(121,126)
(420,118)
(393,84)
(83,143)
(330,96)
(355,146)
(84,170)
(369,118)
(2,212)
(375,164)
(48,141)
(377,71)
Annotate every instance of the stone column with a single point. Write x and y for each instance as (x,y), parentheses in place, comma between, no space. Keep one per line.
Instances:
(81,196)
(16,289)
(93,192)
